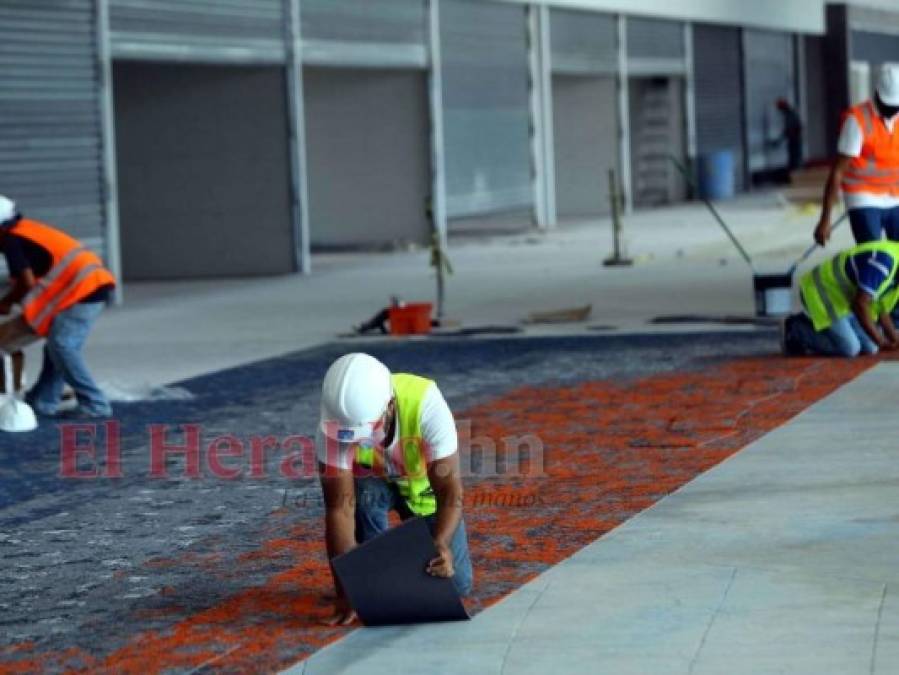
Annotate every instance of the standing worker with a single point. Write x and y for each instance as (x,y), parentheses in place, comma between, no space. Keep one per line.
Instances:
(388,442)
(867,166)
(62,288)
(844,298)
(792,135)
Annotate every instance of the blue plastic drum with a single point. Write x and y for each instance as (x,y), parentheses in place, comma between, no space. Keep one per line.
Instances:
(716,175)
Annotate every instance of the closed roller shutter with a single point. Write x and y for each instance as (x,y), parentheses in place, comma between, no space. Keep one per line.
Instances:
(207,30)
(50,134)
(585,109)
(583,43)
(486,107)
(769,74)
(365,33)
(717,81)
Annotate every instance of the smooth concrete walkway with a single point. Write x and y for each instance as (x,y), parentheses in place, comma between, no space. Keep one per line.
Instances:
(783,559)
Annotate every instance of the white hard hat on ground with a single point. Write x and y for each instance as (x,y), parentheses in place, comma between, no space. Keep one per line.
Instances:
(355,394)
(888,84)
(7,209)
(15,415)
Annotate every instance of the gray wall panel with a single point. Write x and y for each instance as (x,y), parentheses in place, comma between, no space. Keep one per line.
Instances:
(368,156)
(384,21)
(875,48)
(586,136)
(486,107)
(203,175)
(50,140)
(655,38)
(717,69)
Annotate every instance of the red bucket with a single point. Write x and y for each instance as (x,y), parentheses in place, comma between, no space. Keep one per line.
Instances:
(411,319)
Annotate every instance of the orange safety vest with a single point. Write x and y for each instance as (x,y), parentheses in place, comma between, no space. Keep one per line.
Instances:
(876,170)
(74,274)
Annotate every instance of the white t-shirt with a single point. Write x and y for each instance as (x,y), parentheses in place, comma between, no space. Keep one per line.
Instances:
(438,429)
(850,144)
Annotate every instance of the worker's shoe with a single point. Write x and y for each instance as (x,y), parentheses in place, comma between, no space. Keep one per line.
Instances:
(790,342)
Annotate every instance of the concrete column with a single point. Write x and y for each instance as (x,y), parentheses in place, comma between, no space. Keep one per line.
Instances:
(297,130)
(438,156)
(838,57)
(542,142)
(624,119)
(689,92)
(112,234)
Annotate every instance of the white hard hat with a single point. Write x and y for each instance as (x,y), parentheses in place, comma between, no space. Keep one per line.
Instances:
(888,84)
(7,209)
(16,415)
(355,394)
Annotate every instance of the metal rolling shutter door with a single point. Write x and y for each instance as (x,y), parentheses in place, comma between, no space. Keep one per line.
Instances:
(486,107)
(769,62)
(717,73)
(585,109)
(50,133)
(194,30)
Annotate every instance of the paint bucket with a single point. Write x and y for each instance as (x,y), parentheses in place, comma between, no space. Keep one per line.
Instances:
(410,319)
(773,294)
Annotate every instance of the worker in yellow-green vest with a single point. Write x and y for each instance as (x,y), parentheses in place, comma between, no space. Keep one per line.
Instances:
(388,442)
(845,299)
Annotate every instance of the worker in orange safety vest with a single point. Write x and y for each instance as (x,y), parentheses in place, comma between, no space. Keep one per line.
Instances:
(866,169)
(62,288)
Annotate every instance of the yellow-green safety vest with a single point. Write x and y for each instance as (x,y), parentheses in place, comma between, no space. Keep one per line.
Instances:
(413,485)
(827,292)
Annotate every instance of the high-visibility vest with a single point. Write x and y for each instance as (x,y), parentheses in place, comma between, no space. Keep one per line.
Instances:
(75,273)
(828,293)
(876,170)
(413,483)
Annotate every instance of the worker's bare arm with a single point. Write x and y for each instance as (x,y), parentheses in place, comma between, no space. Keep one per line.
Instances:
(444,476)
(831,194)
(862,308)
(340,529)
(19,289)
(889,330)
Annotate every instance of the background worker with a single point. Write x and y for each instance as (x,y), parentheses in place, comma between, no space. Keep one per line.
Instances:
(389,442)
(867,166)
(791,135)
(843,299)
(62,288)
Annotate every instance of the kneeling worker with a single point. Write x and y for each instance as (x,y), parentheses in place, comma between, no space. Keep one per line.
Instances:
(62,289)
(843,299)
(389,442)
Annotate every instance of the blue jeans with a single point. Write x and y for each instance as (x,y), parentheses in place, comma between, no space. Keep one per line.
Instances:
(63,363)
(376,497)
(870,224)
(844,337)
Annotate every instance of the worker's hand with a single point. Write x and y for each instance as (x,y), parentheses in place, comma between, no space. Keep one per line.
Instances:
(343,614)
(442,565)
(822,231)
(889,346)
